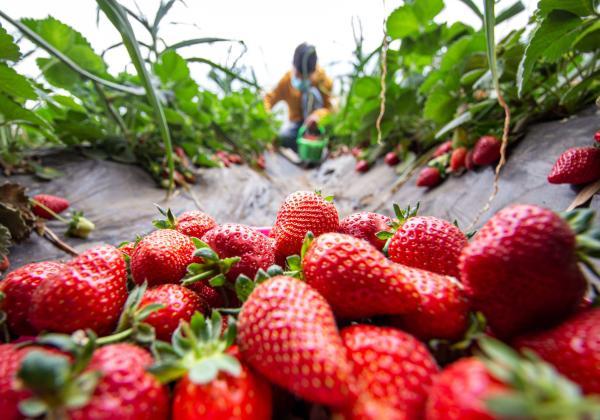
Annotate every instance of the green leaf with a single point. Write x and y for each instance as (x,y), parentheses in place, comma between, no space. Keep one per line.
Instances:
(510,12)
(8,49)
(440,105)
(13,84)
(367,87)
(551,39)
(402,22)
(204,371)
(44,372)
(243,287)
(426,10)
(57,73)
(489,22)
(196,41)
(171,67)
(12,111)
(578,7)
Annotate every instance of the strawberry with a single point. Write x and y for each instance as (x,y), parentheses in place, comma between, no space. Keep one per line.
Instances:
(87,292)
(212,382)
(366,225)
(502,384)
(573,347)
(245,397)
(127,248)
(391,159)
(261,163)
(356,278)
(443,148)
(195,223)
(4,263)
(486,151)
(362,166)
(207,294)
(179,304)
(429,243)
(162,257)
(578,165)
(443,311)
(287,332)
(111,383)
(597,136)
(521,270)
(18,288)
(53,202)
(460,390)
(469,164)
(254,249)
(391,367)
(124,384)
(429,177)
(457,159)
(302,212)
(11,394)
(356,151)
(191,223)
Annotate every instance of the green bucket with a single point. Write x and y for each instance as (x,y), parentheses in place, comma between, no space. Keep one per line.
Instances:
(310,150)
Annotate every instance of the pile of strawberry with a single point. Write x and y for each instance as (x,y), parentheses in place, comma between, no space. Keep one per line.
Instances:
(367,317)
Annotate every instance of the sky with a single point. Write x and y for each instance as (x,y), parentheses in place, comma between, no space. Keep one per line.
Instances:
(271,29)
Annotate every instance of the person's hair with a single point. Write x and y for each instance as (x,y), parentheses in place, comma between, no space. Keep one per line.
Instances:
(305,58)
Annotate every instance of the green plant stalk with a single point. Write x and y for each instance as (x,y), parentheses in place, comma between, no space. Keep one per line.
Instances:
(111,110)
(41,42)
(223,69)
(117,15)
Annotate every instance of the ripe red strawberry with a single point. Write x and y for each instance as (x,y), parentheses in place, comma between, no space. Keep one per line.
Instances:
(457,160)
(4,263)
(469,164)
(578,165)
(243,397)
(54,203)
(391,367)
(87,292)
(356,151)
(232,240)
(162,257)
(573,347)
(301,212)
(460,390)
(18,288)
(443,311)
(287,332)
(443,148)
(429,243)
(521,270)
(125,389)
(356,279)
(179,304)
(486,150)
(207,294)
(597,136)
(127,248)
(365,225)
(361,166)
(391,158)
(10,394)
(195,223)
(429,177)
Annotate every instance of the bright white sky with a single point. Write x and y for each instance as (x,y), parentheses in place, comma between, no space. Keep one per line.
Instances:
(270,28)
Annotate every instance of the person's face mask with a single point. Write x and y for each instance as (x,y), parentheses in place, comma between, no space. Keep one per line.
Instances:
(300,84)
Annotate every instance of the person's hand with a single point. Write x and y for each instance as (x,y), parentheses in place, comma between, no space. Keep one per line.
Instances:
(312,121)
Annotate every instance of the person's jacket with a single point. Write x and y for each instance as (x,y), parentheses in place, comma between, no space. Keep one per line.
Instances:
(284,91)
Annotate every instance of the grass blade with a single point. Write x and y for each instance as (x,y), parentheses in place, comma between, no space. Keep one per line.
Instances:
(223,69)
(510,12)
(195,41)
(118,16)
(471,5)
(41,42)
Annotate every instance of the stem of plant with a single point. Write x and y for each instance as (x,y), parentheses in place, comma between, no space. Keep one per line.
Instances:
(52,213)
(114,338)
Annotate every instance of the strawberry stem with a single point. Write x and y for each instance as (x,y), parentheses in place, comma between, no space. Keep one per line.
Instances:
(198,277)
(114,338)
(52,213)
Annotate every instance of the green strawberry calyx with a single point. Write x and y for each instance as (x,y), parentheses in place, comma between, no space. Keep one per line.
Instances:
(57,383)
(169,222)
(244,285)
(79,226)
(535,389)
(131,325)
(294,262)
(587,236)
(212,268)
(198,350)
